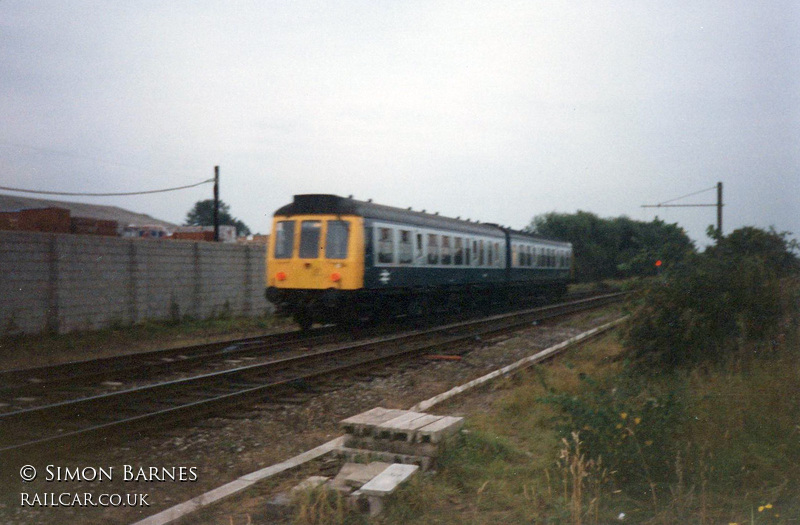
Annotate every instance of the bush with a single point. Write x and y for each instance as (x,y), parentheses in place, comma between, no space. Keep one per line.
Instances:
(705,307)
(631,428)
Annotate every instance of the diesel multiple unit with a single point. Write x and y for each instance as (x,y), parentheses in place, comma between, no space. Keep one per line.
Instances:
(336,259)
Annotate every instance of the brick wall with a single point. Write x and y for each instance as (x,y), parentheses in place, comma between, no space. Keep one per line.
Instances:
(73,282)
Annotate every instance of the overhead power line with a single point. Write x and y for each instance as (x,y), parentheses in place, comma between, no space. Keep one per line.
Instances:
(718,205)
(688,195)
(106,194)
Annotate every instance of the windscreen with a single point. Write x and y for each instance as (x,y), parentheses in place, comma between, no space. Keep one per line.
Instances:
(284,239)
(336,240)
(309,239)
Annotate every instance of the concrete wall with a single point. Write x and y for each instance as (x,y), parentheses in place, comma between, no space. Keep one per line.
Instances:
(60,282)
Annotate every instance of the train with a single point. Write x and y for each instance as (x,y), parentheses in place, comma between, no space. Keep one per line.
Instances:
(333,259)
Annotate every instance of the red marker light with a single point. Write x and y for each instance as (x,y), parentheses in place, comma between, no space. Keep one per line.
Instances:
(280,276)
(335,277)
(658,262)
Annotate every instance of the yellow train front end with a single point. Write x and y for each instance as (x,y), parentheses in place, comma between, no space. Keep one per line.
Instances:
(313,261)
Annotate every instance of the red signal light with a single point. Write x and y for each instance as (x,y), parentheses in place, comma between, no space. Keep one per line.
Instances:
(658,263)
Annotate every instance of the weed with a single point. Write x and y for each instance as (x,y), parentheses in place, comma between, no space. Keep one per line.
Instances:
(320,506)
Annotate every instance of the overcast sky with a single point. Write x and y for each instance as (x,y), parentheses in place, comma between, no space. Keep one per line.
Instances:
(492,110)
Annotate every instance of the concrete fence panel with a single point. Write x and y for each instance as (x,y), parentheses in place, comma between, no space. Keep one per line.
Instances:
(60,283)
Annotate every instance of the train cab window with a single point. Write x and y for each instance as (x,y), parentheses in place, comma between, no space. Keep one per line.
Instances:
(385,245)
(447,257)
(336,240)
(284,239)
(433,248)
(405,248)
(309,239)
(458,255)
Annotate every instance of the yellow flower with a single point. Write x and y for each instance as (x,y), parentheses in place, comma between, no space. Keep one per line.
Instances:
(624,415)
(637,420)
(619,425)
(648,442)
(768,506)
(761,508)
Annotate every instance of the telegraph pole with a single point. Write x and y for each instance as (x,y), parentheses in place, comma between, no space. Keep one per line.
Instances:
(719,209)
(216,203)
(718,205)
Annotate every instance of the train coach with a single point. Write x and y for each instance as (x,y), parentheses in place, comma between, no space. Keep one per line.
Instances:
(336,259)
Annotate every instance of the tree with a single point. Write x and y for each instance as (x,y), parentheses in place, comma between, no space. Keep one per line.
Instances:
(614,248)
(202,214)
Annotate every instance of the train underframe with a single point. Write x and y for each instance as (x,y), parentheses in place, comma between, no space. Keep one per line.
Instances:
(375,305)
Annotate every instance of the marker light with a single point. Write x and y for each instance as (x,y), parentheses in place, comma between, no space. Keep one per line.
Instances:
(280,276)
(335,277)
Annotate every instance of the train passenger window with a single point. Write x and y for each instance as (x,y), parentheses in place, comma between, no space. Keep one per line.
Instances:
(284,239)
(385,245)
(540,257)
(447,257)
(489,257)
(497,254)
(433,249)
(458,256)
(420,250)
(474,253)
(405,249)
(336,240)
(480,253)
(309,239)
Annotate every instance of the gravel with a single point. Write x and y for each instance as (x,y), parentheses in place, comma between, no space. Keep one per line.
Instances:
(221,449)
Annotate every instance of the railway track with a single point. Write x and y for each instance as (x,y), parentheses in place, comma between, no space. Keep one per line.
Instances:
(104,416)
(58,382)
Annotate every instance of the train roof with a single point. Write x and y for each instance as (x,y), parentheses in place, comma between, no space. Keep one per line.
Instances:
(335,205)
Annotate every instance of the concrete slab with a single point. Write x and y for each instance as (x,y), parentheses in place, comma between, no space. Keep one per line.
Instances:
(361,424)
(387,481)
(309,483)
(338,482)
(438,430)
(405,429)
(384,430)
(358,477)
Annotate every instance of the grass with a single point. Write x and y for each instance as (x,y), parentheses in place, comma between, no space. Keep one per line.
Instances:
(580,440)
(22,351)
